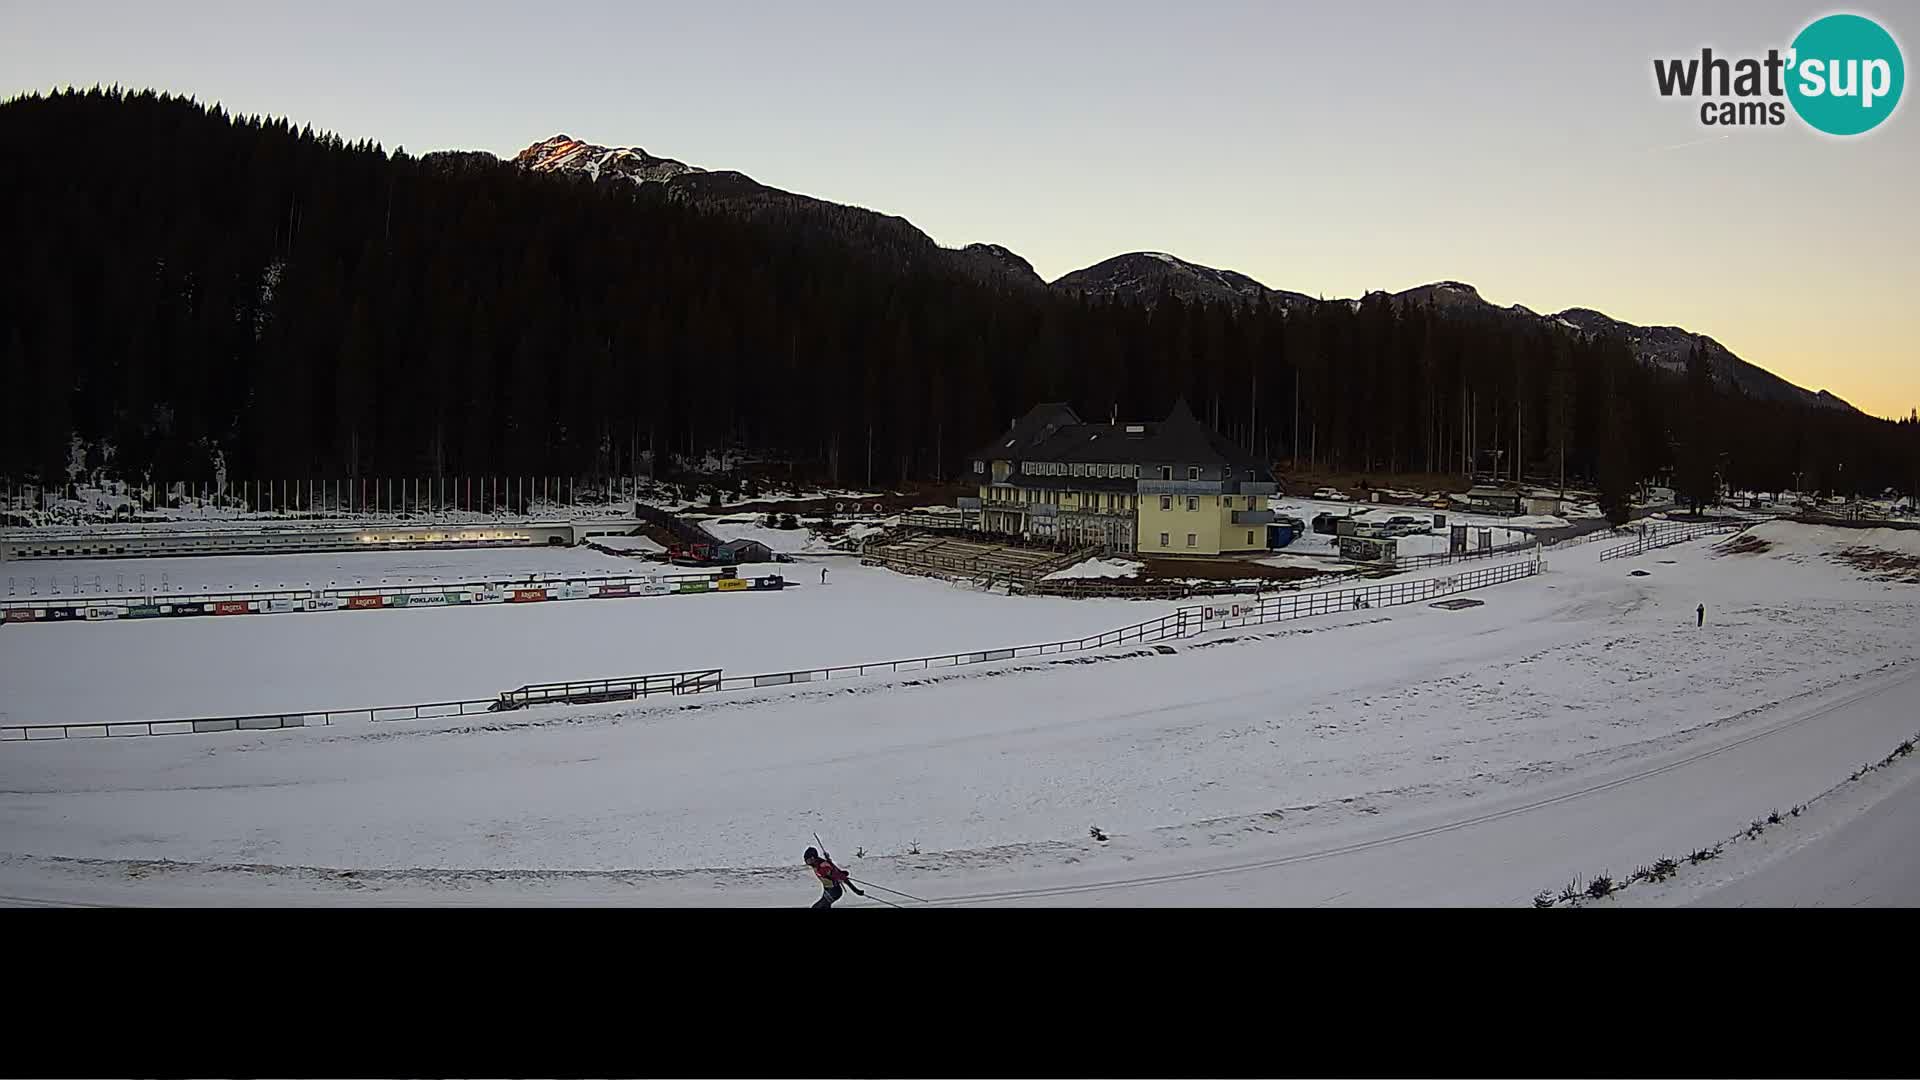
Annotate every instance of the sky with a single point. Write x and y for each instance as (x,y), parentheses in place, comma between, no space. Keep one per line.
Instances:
(1319,147)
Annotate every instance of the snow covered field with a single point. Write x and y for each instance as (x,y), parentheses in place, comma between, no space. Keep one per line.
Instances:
(1575,722)
(157,668)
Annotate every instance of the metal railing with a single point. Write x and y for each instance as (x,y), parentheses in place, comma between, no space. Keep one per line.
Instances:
(1668,534)
(578,693)
(251,722)
(1183,622)
(1443,558)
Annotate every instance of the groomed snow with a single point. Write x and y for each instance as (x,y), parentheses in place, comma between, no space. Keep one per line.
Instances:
(1269,743)
(155,668)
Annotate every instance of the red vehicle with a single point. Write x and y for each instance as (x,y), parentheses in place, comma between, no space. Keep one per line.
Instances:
(695,554)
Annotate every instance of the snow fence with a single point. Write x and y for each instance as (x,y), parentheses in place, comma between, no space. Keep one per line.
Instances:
(1181,623)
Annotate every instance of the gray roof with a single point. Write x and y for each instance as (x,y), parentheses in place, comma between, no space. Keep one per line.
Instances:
(1053,432)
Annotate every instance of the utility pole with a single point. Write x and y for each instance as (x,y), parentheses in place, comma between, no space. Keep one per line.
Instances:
(1296,416)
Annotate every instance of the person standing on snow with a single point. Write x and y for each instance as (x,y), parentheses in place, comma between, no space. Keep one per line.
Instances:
(831,879)
(1700,615)
(823,575)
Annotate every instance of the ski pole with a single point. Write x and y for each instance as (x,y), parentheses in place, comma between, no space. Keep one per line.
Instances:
(883,888)
(887,902)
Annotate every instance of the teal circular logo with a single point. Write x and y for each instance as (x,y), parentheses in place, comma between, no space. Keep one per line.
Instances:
(1845,74)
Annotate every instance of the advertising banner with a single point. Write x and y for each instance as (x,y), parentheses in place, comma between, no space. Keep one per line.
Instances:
(693,586)
(232,607)
(421,600)
(357,602)
(731,584)
(528,596)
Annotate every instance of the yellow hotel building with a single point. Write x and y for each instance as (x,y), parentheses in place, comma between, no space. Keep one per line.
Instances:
(1175,487)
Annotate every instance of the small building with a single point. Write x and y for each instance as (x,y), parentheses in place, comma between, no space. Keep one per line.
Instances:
(745,551)
(1484,499)
(1543,505)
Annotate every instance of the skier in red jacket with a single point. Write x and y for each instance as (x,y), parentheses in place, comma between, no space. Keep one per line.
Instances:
(831,879)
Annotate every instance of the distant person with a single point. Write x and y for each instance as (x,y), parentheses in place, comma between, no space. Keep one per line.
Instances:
(1700,615)
(832,879)
(823,575)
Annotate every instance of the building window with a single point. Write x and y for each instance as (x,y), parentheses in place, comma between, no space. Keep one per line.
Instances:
(1193,472)
(1249,537)
(1193,502)
(1193,540)
(1164,541)
(1166,502)
(1226,501)
(1166,472)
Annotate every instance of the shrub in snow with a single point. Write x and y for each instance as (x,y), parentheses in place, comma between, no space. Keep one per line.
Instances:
(788,521)
(1543,899)
(1097,834)
(1661,870)
(913,848)
(1701,855)
(1600,887)
(1571,892)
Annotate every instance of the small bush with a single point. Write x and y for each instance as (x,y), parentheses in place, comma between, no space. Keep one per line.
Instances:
(1097,834)
(1571,892)
(1543,899)
(788,521)
(1600,887)
(1701,855)
(1773,818)
(860,853)
(1661,870)
(913,848)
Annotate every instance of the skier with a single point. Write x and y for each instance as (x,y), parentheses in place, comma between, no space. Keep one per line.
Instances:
(1700,615)
(823,575)
(831,879)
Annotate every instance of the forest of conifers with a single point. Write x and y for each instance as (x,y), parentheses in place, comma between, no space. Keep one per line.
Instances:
(182,284)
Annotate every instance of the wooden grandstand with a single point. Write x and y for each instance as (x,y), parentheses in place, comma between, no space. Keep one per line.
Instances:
(983,561)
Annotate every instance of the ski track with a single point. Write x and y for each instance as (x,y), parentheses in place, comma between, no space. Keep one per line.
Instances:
(1244,733)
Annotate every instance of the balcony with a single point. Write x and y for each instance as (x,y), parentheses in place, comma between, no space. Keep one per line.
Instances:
(1180,487)
(1253,517)
(1256,487)
(967,502)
